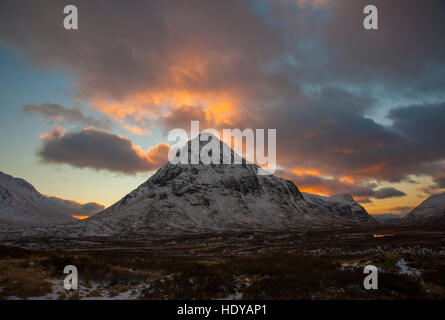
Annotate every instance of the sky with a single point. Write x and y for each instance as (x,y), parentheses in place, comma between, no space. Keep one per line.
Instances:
(85,114)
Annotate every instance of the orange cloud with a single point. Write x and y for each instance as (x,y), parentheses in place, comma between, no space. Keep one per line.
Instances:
(221,114)
(347,179)
(372,169)
(218,109)
(187,82)
(320,190)
(299,171)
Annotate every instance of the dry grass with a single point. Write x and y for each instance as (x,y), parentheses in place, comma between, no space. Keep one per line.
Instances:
(19,280)
(238,265)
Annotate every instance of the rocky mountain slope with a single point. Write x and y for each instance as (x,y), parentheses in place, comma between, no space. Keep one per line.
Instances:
(21,204)
(430,211)
(341,205)
(196,198)
(200,198)
(213,197)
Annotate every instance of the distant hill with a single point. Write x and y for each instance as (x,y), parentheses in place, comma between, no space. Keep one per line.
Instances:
(387,218)
(430,211)
(22,204)
(341,205)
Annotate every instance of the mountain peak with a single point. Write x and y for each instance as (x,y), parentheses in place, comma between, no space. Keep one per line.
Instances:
(211,197)
(205,148)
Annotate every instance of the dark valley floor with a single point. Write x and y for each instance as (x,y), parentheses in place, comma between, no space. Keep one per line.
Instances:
(313,265)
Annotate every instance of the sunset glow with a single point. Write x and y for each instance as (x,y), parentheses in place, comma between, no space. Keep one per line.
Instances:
(223,150)
(348,121)
(80,217)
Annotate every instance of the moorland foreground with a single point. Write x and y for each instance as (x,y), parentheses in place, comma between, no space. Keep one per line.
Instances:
(248,265)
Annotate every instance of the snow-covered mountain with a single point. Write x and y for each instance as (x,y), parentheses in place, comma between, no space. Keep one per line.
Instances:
(430,211)
(182,198)
(22,204)
(341,205)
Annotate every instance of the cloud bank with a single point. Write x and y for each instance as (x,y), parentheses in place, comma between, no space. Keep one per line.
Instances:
(75,208)
(62,114)
(100,150)
(307,68)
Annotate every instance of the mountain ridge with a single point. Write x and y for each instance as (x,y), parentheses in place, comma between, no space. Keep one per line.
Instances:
(342,205)
(202,198)
(214,197)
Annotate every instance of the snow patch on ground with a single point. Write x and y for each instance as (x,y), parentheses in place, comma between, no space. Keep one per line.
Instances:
(349,265)
(85,292)
(405,269)
(235,296)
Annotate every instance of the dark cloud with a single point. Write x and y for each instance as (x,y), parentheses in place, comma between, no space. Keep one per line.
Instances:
(74,208)
(317,184)
(122,49)
(364,200)
(181,117)
(332,134)
(362,190)
(440,182)
(59,113)
(421,123)
(397,55)
(96,149)
(312,72)
(389,192)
